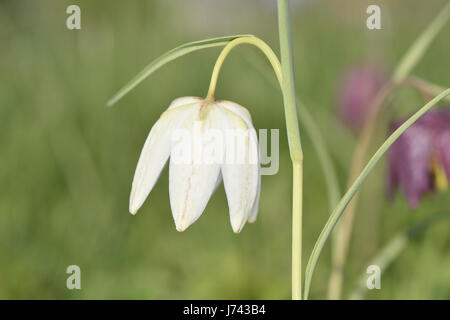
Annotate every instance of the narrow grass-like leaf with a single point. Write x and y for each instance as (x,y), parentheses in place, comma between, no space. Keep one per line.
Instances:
(418,48)
(168,57)
(320,146)
(337,212)
(400,75)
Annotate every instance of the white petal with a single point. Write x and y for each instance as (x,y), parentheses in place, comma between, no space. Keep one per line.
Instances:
(190,187)
(192,181)
(184,101)
(241,178)
(254,211)
(238,110)
(153,156)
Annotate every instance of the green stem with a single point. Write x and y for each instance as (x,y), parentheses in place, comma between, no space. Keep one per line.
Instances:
(295,148)
(329,172)
(297,200)
(426,88)
(287,68)
(312,130)
(167,57)
(418,48)
(344,229)
(271,56)
(337,213)
(399,77)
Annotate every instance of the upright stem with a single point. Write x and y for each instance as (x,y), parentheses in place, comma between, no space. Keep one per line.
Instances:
(345,227)
(400,77)
(338,211)
(295,148)
(297,194)
(285,76)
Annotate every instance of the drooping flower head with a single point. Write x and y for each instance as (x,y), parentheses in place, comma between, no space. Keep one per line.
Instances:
(206,141)
(358,89)
(419,161)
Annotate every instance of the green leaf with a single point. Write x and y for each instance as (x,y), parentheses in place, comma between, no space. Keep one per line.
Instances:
(337,212)
(168,57)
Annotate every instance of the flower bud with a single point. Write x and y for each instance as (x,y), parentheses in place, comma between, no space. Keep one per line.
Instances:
(357,91)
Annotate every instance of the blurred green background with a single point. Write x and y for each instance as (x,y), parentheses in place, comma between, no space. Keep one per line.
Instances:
(67,161)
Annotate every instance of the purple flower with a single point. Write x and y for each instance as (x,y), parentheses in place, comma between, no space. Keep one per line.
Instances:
(359,87)
(419,161)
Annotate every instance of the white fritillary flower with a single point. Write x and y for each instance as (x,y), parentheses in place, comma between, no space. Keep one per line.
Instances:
(207,141)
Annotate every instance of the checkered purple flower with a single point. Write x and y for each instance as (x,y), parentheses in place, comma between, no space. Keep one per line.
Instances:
(419,161)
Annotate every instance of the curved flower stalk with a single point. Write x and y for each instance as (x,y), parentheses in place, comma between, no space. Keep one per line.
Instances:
(205,141)
(242,193)
(186,113)
(207,117)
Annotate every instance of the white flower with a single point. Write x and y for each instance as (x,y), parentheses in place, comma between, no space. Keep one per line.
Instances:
(206,141)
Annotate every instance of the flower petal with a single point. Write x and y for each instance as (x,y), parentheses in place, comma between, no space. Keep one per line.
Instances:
(184,101)
(192,179)
(154,156)
(409,163)
(190,187)
(238,110)
(255,208)
(241,172)
(443,150)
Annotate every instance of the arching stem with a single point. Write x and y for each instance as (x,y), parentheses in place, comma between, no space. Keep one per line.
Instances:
(271,56)
(287,87)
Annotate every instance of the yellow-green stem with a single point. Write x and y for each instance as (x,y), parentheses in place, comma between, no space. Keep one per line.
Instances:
(338,211)
(271,56)
(345,226)
(297,230)
(286,81)
(295,148)
(399,77)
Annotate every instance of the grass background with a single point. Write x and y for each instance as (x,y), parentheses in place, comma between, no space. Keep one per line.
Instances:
(67,162)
